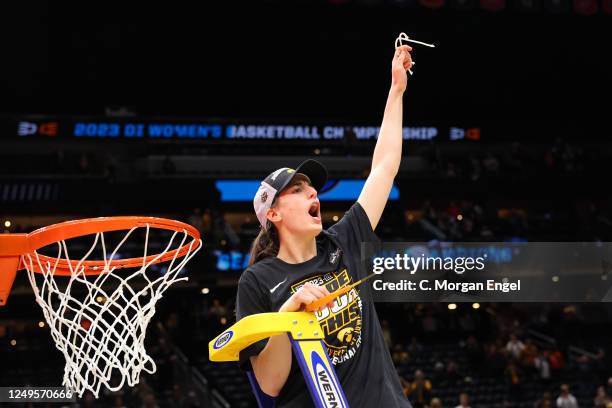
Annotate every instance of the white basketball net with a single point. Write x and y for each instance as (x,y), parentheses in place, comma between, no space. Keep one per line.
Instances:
(99,322)
(404,37)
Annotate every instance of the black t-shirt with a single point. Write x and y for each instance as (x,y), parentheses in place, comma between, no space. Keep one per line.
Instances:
(353,335)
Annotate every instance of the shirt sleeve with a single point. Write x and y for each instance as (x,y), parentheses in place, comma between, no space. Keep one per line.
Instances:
(250,300)
(353,229)
(355,226)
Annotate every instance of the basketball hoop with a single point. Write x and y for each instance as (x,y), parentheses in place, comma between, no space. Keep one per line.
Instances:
(98,309)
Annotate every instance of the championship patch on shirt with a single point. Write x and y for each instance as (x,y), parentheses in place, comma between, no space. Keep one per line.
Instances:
(342,323)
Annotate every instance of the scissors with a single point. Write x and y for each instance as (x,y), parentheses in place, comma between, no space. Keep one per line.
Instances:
(319,303)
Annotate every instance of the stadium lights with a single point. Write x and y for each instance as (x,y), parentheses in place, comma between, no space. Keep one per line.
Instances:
(452,306)
(476,305)
(13,342)
(335,218)
(41,324)
(205,291)
(7,223)
(555,279)
(459,217)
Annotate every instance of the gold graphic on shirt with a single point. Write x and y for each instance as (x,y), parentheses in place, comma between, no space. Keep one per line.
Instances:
(346,334)
(342,323)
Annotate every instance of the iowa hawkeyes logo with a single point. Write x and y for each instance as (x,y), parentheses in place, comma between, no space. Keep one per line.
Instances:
(346,335)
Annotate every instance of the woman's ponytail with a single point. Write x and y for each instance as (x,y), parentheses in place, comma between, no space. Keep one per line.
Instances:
(266,244)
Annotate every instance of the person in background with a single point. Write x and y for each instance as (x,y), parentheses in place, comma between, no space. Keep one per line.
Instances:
(464,401)
(544,402)
(513,379)
(542,366)
(565,399)
(602,400)
(419,391)
(435,403)
(514,347)
(557,362)
(529,354)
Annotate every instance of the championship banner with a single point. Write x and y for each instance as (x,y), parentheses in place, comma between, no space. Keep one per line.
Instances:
(236,131)
(215,131)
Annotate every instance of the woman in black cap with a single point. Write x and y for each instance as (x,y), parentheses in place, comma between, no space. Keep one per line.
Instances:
(295,262)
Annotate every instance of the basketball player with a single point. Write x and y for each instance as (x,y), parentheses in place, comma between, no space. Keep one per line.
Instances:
(295,262)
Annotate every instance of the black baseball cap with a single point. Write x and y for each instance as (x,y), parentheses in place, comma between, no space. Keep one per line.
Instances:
(276,181)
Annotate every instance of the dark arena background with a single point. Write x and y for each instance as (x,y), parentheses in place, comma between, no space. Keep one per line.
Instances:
(178,110)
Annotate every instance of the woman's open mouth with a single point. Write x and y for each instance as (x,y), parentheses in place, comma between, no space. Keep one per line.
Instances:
(314,211)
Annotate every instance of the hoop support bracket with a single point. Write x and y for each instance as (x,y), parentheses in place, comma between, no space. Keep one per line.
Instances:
(11,248)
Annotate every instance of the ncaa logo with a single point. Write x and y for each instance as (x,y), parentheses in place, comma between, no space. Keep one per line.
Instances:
(31,128)
(325,381)
(223,340)
(26,128)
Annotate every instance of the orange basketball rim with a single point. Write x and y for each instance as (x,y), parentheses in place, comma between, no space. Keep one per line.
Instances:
(13,247)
